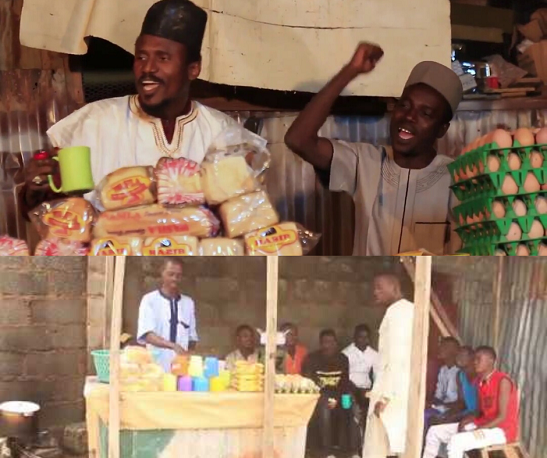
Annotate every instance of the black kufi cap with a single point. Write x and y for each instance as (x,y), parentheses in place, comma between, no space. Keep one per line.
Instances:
(177,20)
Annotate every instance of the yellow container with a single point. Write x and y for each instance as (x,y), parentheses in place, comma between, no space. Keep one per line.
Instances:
(169,382)
(217,384)
(226,377)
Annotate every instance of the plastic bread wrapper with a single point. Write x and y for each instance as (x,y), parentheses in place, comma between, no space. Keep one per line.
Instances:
(178,182)
(70,219)
(157,221)
(174,245)
(235,164)
(282,239)
(126,188)
(61,247)
(221,246)
(10,246)
(247,213)
(116,246)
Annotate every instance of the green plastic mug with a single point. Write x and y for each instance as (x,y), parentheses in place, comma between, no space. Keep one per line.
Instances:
(347,401)
(75,167)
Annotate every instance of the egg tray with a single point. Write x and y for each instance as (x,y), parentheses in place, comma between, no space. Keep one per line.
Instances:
(489,184)
(476,207)
(496,230)
(479,157)
(510,248)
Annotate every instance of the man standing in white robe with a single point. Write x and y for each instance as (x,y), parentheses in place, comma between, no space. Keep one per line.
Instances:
(385,434)
(402,195)
(161,120)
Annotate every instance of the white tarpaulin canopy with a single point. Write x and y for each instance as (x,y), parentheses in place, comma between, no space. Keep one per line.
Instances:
(279,44)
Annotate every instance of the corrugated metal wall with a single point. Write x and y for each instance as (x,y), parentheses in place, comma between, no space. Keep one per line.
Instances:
(523,335)
(37,89)
(299,197)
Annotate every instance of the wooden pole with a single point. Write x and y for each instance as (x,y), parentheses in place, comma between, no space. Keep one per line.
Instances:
(420,333)
(437,310)
(108,297)
(115,334)
(271,348)
(497,303)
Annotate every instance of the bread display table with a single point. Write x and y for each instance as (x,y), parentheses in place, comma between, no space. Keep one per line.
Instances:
(192,425)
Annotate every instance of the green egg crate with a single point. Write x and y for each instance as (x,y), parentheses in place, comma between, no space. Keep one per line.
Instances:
(489,184)
(483,206)
(510,248)
(478,158)
(495,231)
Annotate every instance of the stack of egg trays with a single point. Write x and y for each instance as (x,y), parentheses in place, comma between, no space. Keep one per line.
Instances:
(486,183)
(510,248)
(484,238)
(483,205)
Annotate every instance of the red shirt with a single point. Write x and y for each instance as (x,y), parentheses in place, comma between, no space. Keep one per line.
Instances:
(489,404)
(293,366)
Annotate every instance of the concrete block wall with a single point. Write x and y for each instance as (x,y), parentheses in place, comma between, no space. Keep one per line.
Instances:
(315,293)
(43,335)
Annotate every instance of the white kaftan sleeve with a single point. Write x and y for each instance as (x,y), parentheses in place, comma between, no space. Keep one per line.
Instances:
(147,320)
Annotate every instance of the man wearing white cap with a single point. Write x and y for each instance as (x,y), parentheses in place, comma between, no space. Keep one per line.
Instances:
(401,193)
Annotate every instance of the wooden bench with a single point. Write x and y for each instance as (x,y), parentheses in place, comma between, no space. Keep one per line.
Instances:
(512,450)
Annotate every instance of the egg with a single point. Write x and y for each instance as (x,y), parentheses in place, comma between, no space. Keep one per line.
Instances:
(542,251)
(470,171)
(541,136)
(498,209)
(523,250)
(514,162)
(515,233)
(541,205)
(502,138)
(469,220)
(519,207)
(481,167)
(536,159)
(531,184)
(500,253)
(509,185)
(524,137)
(536,230)
(544,187)
(493,163)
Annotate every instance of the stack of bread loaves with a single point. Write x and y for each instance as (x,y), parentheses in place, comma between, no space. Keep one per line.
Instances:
(177,208)
(501,182)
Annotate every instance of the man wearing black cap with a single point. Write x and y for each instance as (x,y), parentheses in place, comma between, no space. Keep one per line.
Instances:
(160,121)
(401,193)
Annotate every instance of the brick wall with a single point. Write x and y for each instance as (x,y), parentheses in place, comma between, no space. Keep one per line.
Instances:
(43,335)
(315,293)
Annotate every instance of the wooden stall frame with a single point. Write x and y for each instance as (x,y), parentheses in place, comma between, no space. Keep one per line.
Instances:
(422,279)
(439,315)
(420,335)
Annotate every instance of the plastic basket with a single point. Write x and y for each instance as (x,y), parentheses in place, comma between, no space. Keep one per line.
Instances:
(101,360)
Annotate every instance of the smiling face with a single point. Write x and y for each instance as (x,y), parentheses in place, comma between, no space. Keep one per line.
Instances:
(419,118)
(163,75)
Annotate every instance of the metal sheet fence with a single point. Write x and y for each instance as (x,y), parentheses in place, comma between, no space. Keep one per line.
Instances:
(523,338)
